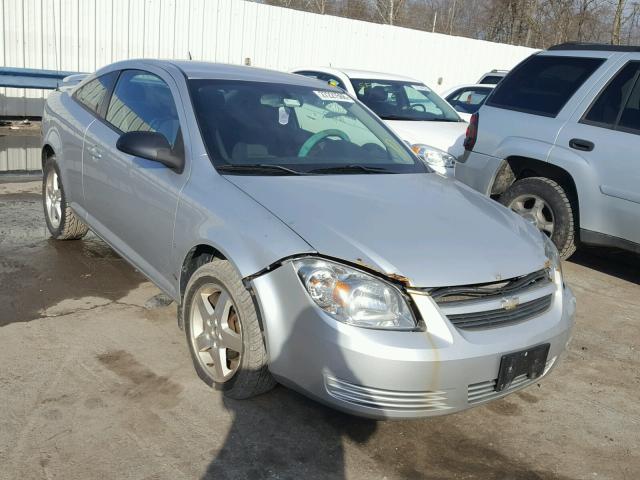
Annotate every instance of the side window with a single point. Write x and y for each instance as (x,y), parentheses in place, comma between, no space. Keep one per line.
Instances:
(543,84)
(331,80)
(308,73)
(142,101)
(93,93)
(605,110)
(630,118)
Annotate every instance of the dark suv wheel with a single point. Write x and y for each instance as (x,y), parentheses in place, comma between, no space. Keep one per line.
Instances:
(544,203)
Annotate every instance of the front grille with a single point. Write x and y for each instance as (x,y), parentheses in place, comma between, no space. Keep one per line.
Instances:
(386,399)
(501,317)
(445,295)
(496,304)
(484,391)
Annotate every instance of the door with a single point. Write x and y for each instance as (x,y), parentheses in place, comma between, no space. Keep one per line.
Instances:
(82,108)
(133,200)
(606,134)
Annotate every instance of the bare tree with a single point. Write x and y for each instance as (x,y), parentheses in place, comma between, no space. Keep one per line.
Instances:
(617,22)
(533,23)
(388,10)
(318,6)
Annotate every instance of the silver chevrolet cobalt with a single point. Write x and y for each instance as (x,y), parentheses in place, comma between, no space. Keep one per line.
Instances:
(302,240)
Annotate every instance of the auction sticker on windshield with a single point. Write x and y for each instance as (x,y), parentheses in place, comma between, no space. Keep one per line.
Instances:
(333,96)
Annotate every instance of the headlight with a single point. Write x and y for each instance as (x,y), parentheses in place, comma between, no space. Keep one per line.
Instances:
(354,297)
(551,252)
(434,156)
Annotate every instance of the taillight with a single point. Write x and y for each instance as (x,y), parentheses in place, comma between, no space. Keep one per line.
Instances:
(472,133)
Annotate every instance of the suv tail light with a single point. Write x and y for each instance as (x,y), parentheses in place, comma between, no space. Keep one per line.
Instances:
(472,132)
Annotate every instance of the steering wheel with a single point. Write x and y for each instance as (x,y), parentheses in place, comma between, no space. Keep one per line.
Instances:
(419,107)
(316,138)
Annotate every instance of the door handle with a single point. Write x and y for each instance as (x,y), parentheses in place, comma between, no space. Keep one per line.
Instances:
(582,145)
(95,152)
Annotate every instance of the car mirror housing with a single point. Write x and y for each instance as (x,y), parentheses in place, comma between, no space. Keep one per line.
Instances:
(152,146)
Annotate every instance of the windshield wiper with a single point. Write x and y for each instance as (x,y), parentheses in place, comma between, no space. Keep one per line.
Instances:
(350,169)
(415,119)
(399,117)
(263,168)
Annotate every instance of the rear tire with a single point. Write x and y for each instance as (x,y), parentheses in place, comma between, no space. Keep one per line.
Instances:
(546,204)
(62,222)
(219,319)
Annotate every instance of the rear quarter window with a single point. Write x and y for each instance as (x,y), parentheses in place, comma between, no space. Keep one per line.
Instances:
(543,84)
(92,94)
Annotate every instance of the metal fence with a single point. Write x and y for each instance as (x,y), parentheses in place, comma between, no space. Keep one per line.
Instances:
(83,35)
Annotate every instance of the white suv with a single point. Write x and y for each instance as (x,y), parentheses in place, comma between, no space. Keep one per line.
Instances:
(558,141)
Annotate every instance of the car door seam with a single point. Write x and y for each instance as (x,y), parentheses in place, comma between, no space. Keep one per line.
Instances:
(84,141)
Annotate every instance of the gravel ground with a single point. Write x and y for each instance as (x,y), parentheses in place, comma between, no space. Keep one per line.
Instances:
(96,382)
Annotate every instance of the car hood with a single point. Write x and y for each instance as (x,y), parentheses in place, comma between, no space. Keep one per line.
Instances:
(431,230)
(447,136)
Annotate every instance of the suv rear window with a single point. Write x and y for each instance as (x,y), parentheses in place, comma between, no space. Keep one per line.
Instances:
(491,79)
(543,84)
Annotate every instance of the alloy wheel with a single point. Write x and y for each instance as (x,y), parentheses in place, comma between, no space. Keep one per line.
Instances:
(216,331)
(53,198)
(534,209)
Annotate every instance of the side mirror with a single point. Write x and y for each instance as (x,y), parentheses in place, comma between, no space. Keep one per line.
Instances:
(152,146)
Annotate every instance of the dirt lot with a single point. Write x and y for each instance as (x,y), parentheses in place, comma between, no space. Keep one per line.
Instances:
(96,382)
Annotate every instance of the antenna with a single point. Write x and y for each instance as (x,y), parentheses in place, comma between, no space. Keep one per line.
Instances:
(189,54)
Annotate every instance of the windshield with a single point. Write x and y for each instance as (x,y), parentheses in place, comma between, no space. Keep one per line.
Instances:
(256,128)
(400,100)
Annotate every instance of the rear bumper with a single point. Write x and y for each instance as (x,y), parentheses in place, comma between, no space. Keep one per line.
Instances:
(385,374)
(478,171)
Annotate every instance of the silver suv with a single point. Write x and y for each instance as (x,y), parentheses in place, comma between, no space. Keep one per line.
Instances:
(558,142)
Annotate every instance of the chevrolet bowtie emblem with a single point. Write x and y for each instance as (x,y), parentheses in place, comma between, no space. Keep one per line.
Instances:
(510,303)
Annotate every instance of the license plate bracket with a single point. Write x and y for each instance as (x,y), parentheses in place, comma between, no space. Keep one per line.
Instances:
(531,362)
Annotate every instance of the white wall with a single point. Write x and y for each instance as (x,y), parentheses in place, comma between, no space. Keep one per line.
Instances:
(83,35)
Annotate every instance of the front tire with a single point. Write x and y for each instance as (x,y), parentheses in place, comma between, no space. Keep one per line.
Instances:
(223,332)
(546,204)
(62,222)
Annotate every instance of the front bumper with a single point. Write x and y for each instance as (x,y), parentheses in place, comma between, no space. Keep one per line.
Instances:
(386,374)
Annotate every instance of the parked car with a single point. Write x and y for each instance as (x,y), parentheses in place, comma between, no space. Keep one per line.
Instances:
(281,215)
(493,77)
(419,115)
(557,142)
(467,99)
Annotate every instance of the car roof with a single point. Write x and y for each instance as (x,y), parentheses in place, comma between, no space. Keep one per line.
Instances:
(358,74)
(223,71)
(473,85)
(352,73)
(594,47)
(455,88)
